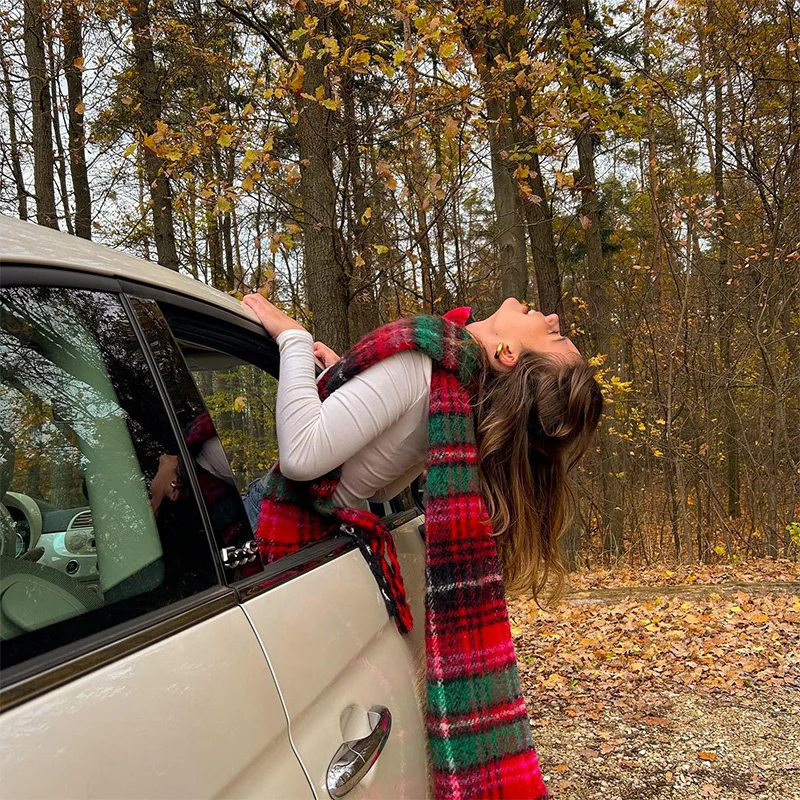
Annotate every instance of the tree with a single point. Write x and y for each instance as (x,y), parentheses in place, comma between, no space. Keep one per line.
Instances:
(39,79)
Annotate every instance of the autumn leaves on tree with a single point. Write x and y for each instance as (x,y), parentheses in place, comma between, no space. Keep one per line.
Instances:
(633,167)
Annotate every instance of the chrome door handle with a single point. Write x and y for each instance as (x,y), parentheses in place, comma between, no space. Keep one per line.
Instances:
(352,761)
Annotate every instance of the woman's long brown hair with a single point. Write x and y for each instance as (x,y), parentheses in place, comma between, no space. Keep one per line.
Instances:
(533,424)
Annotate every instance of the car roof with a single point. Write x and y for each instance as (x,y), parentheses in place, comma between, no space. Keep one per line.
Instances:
(28,243)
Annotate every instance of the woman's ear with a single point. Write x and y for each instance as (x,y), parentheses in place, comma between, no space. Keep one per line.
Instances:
(507,357)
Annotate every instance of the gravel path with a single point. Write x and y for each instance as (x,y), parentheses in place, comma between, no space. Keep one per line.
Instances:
(653,755)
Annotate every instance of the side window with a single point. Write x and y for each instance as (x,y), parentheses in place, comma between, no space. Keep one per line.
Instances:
(241,400)
(236,375)
(98,522)
(218,485)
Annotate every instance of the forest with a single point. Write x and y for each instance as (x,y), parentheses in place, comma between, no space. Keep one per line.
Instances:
(633,166)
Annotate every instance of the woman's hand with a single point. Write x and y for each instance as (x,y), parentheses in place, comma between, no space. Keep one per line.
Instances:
(272,318)
(325,354)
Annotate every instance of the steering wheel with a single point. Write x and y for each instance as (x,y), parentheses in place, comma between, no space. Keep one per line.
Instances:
(8,534)
(32,513)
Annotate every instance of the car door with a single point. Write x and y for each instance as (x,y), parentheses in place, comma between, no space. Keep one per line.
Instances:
(342,668)
(128,667)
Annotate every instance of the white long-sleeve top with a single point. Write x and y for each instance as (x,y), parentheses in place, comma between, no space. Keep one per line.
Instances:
(375,426)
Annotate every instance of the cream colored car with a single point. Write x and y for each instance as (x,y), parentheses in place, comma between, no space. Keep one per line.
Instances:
(146,653)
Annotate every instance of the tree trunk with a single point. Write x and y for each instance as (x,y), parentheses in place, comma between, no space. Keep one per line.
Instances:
(730,431)
(73,71)
(43,160)
(599,317)
(539,217)
(61,159)
(486,45)
(147,78)
(16,168)
(325,277)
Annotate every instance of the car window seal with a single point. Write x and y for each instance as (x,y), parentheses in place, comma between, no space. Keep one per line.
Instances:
(36,676)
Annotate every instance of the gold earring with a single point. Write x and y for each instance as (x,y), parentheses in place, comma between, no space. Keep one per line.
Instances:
(499,351)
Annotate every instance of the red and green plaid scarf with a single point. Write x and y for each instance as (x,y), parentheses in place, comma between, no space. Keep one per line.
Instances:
(478,729)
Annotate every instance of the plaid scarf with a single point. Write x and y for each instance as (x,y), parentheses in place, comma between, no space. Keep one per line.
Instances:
(478,729)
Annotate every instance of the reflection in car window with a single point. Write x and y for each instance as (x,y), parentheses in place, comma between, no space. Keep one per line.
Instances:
(97,524)
(216,481)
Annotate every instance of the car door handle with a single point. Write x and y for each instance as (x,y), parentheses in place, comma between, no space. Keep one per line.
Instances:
(353,760)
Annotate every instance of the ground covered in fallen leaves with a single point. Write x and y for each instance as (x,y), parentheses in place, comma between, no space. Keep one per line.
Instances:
(667,682)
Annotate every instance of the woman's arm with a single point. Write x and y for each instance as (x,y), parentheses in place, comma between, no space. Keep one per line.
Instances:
(314,437)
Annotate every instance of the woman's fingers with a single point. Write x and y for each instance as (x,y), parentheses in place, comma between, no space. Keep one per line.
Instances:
(325,354)
(271,317)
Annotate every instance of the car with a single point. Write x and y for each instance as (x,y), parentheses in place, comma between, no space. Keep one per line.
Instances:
(145,649)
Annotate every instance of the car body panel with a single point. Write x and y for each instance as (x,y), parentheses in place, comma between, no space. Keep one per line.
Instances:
(337,655)
(27,243)
(196,715)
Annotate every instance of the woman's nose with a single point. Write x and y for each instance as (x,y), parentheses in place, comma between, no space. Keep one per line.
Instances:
(554,321)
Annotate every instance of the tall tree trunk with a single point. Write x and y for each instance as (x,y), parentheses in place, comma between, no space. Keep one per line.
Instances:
(539,218)
(147,79)
(61,159)
(510,230)
(326,279)
(486,45)
(16,168)
(73,71)
(725,311)
(599,316)
(43,160)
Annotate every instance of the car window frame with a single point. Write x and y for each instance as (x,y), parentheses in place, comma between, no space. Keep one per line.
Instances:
(230,329)
(41,673)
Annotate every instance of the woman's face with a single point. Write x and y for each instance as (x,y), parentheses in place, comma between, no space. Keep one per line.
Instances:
(519,328)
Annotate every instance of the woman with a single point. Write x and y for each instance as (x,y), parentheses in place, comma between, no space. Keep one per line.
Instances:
(406,397)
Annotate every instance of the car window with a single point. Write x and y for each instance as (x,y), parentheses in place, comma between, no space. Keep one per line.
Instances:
(98,519)
(236,374)
(217,483)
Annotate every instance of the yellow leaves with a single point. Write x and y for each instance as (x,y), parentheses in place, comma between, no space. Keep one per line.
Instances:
(292,174)
(331,103)
(331,45)
(564,179)
(250,158)
(522,172)
(451,128)
(293,228)
(399,57)
(381,249)
(80,109)
(130,150)
(705,756)
(223,205)
(225,139)
(239,404)
(366,216)
(448,49)
(248,110)
(720,550)
(79,63)
(362,58)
